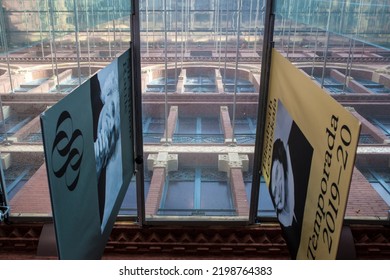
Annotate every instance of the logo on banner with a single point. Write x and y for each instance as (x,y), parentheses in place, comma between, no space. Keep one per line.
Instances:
(67,151)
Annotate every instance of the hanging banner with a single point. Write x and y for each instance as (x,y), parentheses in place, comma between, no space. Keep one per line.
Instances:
(88,142)
(309,154)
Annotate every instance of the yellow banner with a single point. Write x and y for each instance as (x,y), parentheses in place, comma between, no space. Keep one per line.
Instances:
(309,153)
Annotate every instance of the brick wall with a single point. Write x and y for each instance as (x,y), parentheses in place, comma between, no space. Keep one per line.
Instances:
(239,193)
(225,123)
(363,200)
(172,119)
(155,191)
(384,80)
(34,197)
(369,128)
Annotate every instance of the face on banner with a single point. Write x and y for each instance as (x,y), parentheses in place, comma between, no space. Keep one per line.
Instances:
(309,150)
(107,142)
(88,145)
(290,167)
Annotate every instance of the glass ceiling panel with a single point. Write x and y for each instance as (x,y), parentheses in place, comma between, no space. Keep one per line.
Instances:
(364,20)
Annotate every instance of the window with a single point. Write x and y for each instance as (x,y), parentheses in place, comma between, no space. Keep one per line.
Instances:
(204,112)
(196,191)
(265,207)
(129,204)
(383,123)
(153,130)
(198,130)
(245,130)
(379,179)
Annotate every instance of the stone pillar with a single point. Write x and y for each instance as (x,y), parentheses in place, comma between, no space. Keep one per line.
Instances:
(180,82)
(226,124)
(171,124)
(357,87)
(6,112)
(239,192)
(234,164)
(161,164)
(5,160)
(369,128)
(31,127)
(155,191)
(218,80)
(351,83)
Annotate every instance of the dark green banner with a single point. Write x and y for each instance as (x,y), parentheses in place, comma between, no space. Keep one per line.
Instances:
(88,143)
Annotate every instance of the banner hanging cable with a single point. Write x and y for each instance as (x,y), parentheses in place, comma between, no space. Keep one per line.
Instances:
(263,96)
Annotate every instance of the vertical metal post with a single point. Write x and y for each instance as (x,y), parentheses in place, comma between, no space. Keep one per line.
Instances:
(327,44)
(325,58)
(352,52)
(88,43)
(352,56)
(289,29)
(108,28)
(314,55)
(6,142)
(261,117)
(76,17)
(166,72)
(347,66)
(40,28)
(219,35)
(50,38)
(147,26)
(256,26)
(25,20)
(176,43)
(154,22)
(295,28)
(288,40)
(137,107)
(53,41)
(93,24)
(250,22)
(182,36)
(216,25)
(113,22)
(187,25)
(5,41)
(239,10)
(342,16)
(120,17)
(226,37)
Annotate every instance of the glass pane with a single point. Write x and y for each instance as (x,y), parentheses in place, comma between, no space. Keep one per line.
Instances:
(363,20)
(180,195)
(47,49)
(201,73)
(211,190)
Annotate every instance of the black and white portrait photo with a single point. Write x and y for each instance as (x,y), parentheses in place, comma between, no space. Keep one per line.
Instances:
(290,171)
(107,141)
